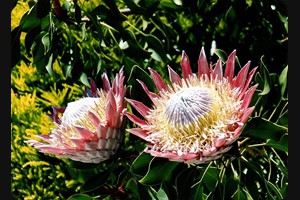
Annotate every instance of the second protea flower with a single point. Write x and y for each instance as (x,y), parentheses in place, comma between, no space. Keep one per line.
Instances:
(196,118)
(90,129)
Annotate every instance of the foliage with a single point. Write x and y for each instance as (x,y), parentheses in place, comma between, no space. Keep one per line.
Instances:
(35,176)
(57,45)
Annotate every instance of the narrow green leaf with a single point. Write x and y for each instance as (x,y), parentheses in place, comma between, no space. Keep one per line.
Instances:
(275,190)
(261,128)
(248,196)
(283,81)
(49,65)
(266,79)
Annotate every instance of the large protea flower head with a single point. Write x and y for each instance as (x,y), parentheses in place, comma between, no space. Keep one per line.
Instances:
(196,118)
(90,129)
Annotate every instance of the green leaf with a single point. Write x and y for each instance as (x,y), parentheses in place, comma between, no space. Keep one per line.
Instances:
(154,43)
(275,190)
(161,194)
(49,65)
(184,182)
(266,79)
(80,197)
(84,79)
(42,8)
(239,195)
(29,20)
(261,128)
(281,145)
(211,178)
(283,81)
(96,181)
(139,166)
(159,170)
(197,192)
(135,8)
(46,42)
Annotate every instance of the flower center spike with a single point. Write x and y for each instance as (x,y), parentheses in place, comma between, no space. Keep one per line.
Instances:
(187,106)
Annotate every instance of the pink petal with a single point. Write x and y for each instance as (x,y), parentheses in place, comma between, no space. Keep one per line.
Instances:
(138,132)
(218,71)
(101,131)
(248,97)
(105,82)
(174,77)
(79,143)
(185,65)
(112,101)
(202,63)
(110,116)
(135,119)
(86,134)
(230,64)
(246,114)
(151,95)
(158,81)
(93,87)
(140,107)
(118,82)
(96,121)
(189,156)
(248,80)
(168,155)
(209,152)
(220,141)
(241,77)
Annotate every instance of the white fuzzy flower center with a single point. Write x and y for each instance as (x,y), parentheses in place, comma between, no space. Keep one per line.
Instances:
(77,110)
(188,105)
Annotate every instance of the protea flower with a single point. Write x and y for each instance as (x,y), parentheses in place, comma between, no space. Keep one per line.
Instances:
(90,129)
(196,118)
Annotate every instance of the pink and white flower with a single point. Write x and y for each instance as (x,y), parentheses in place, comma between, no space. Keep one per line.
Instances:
(90,129)
(196,118)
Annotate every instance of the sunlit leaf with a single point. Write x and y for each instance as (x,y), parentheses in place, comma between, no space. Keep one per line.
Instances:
(161,194)
(283,81)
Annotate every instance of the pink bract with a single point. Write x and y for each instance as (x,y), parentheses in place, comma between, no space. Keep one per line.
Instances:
(90,129)
(197,117)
